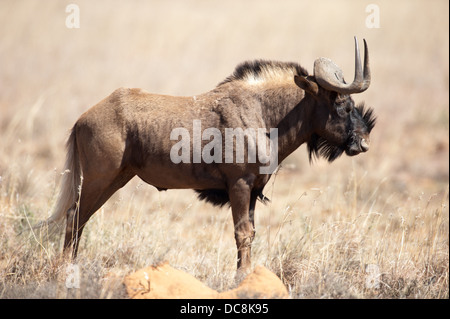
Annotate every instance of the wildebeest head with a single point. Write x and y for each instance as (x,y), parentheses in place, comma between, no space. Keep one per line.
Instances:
(339,125)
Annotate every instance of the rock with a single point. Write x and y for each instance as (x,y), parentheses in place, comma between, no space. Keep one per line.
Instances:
(260,284)
(165,282)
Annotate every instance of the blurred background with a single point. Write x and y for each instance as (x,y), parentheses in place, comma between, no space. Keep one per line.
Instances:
(51,73)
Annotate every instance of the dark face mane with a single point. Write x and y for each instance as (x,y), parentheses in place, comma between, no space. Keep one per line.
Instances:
(320,147)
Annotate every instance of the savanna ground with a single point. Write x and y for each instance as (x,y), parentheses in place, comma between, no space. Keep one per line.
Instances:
(371,226)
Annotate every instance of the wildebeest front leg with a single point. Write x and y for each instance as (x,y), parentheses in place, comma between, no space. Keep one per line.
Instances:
(240,197)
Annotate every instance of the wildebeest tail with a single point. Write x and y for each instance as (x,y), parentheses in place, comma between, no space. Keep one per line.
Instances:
(70,184)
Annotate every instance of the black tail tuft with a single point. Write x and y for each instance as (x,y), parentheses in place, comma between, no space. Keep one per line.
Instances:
(219,197)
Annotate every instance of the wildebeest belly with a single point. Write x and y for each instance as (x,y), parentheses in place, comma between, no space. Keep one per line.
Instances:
(167,175)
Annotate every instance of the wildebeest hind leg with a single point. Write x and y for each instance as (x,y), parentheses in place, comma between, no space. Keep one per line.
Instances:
(94,193)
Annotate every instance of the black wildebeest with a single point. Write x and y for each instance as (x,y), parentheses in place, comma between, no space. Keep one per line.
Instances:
(129,133)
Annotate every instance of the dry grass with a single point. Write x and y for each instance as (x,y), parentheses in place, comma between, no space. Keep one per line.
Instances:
(326,226)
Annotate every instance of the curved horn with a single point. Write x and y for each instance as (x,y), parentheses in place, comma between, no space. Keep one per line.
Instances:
(366,67)
(330,76)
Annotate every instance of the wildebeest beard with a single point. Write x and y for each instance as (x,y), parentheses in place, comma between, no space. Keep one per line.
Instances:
(320,147)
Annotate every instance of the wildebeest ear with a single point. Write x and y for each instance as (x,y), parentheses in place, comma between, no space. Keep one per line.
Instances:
(306,84)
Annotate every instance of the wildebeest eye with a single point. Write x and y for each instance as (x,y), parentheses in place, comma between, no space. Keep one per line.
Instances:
(343,107)
(348,107)
(341,111)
